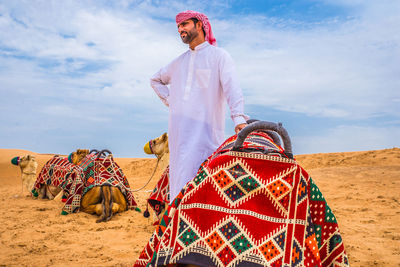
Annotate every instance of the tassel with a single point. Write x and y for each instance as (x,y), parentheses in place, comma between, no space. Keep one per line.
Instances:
(34,193)
(146,213)
(15,161)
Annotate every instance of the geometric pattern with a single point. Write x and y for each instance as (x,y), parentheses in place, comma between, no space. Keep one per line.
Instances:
(188,237)
(229,230)
(236,171)
(280,240)
(269,250)
(215,241)
(222,179)
(59,172)
(278,189)
(76,180)
(159,197)
(247,209)
(108,172)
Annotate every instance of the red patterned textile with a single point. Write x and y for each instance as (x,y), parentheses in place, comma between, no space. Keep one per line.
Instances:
(105,171)
(160,195)
(256,208)
(76,180)
(58,171)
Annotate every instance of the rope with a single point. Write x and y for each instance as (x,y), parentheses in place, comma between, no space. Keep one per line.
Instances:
(158,160)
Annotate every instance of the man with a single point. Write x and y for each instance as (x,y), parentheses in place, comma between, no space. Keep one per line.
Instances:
(199,82)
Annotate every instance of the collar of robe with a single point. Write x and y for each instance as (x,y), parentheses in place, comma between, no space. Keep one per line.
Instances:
(200,46)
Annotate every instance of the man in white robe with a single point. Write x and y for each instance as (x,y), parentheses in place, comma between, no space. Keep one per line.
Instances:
(195,86)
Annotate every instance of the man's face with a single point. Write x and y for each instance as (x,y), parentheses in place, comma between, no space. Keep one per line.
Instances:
(188,31)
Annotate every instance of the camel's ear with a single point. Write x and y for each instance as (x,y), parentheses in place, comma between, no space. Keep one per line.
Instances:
(164,137)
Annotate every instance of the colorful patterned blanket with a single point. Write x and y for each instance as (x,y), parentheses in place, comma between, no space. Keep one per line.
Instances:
(76,180)
(256,208)
(58,171)
(160,195)
(105,171)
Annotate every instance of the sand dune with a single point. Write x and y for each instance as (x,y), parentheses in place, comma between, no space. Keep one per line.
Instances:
(362,188)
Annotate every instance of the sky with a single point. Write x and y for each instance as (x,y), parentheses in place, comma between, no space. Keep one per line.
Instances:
(75,74)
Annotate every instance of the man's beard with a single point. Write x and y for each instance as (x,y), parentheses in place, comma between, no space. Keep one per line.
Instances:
(190,35)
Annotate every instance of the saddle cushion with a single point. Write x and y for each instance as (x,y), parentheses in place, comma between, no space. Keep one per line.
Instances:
(247,209)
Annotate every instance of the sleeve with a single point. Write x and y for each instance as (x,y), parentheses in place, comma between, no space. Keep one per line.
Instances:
(160,82)
(231,89)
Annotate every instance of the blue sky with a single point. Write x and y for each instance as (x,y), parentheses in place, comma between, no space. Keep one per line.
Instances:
(75,74)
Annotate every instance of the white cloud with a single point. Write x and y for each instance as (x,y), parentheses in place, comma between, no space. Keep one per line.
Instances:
(99,55)
(332,69)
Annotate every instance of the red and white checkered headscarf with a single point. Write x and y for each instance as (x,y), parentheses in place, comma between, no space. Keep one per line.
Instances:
(188,14)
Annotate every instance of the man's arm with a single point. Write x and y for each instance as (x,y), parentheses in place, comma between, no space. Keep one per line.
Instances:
(159,82)
(232,91)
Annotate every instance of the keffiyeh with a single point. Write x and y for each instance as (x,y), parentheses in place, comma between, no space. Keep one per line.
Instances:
(188,14)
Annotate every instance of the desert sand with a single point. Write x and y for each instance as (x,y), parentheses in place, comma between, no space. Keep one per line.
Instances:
(362,188)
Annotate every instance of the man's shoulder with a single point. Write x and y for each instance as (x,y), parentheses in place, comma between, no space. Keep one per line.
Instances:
(219,53)
(176,61)
(218,50)
(179,58)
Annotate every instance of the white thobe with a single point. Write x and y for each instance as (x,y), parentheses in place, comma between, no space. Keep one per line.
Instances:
(195,86)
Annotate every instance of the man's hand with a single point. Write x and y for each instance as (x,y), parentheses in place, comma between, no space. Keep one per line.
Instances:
(240,127)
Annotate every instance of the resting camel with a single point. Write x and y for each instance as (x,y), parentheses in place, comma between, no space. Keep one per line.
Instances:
(54,192)
(28,166)
(101,199)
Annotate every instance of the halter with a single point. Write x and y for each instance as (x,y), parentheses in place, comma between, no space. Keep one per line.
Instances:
(151,177)
(155,168)
(151,147)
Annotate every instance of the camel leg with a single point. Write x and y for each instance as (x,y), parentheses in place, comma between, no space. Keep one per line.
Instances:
(30,183)
(52,191)
(91,202)
(115,207)
(93,209)
(59,195)
(42,192)
(119,201)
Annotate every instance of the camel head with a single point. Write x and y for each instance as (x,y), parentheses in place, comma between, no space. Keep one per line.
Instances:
(157,146)
(27,160)
(78,155)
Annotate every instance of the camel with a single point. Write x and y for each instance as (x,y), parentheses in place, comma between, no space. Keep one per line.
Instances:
(159,198)
(101,199)
(52,192)
(78,155)
(104,201)
(28,166)
(159,147)
(250,204)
